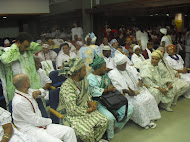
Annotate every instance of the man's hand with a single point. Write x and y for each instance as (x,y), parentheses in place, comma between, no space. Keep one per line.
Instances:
(170,86)
(92,105)
(177,75)
(163,90)
(140,83)
(35,94)
(185,70)
(111,89)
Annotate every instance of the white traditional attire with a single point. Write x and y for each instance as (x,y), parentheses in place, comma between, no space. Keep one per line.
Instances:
(51,55)
(176,62)
(58,41)
(44,79)
(109,62)
(5,118)
(77,31)
(144,105)
(64,58)
(144,40)
(28,119)
(47,66)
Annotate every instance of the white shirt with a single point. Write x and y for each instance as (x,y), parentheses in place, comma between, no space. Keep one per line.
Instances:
(63,57)
(58,41)
(23,114)
(138,35)
(44,79)
(51,55)
(137,61)
(110,62)
(167,40)
(77,31)
(175,64)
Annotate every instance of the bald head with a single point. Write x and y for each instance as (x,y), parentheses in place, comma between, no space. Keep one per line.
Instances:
(19,81)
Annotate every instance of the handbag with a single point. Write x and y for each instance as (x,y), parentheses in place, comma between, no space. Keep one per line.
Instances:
(114,101)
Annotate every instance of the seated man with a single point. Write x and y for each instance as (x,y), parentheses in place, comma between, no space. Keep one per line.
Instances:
(81,111)
(100,84)
(148,51)
(137,58)
(162,89)
(8,133)
(64,57)
(110,64)
(44,79)
(168,72)
(27,116)
(127,80)
(47,54)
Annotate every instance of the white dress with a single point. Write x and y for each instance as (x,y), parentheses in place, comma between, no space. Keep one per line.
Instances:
(5,118)
(144,105)
(137,60)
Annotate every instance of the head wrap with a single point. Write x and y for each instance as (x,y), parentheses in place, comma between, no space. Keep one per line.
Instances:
(106,48)
(172,46)
(45,46)
(98,62)
(135,47)
(119,58)
(6,41)
(92,36)
(113,41)
(72,67)
(163,31)
(160,48)
(157,53)
(80,43)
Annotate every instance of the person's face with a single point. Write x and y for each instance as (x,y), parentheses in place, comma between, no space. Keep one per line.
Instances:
(50,42)
(37,64)
(101,71)
(128,41)
(171,51)
(23,46)
(76,37)
(57,37)
(150,46)
(45,50)
(107,53)
(137,51)
(155,60)
(105,41)
(115,44)
(7,45)
(66,49)
(162,51)
(27,83)
(122,67)
(130,50)
(82,73)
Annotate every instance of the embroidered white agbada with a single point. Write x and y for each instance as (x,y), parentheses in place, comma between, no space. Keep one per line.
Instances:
(5,118)
(28,119)
(109,62)
(51,55)
(137,60)
(144,104)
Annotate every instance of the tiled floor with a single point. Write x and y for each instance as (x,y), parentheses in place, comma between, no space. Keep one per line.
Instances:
(172,127)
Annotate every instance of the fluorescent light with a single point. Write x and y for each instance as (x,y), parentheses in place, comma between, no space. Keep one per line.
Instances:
(4,17)
(185,15)
(167,14)
(156,14)
(151,15)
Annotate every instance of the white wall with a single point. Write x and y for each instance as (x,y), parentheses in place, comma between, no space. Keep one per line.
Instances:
(24,6)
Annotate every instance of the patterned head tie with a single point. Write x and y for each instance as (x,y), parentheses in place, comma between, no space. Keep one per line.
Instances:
(171,46)
(98,62)
(72,67)
(157,53)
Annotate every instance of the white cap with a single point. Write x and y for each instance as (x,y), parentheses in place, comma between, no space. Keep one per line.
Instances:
(119,58)
(106,48)
(163,31)
(135,47)
(6,41)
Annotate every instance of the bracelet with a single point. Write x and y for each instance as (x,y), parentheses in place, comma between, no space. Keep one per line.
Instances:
(6,136)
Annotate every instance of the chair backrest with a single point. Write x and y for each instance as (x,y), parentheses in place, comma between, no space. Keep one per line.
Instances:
(42,108)
(56,80)
(54,102)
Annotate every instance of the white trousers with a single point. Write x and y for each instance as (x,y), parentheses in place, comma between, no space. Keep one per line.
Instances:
(53,133)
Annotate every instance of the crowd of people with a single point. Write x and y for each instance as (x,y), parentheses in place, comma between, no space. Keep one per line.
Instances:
(135,63)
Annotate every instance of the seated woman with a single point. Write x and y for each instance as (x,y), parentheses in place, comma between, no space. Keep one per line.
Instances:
(137,58)
(7,132)
(99,84)
(176,62)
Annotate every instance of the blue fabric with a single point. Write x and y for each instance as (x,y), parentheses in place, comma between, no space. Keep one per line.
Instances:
(42,108)
(57,81)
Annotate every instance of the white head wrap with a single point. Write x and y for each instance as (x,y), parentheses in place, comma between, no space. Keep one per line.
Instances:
(135,47)
(92,36)
(163,31)
(113,41)
(106,48)
(6,41)
(119,58)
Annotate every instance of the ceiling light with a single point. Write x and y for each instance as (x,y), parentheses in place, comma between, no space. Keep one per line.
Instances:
(167,14)
(185,15)
(151,15)
(4,17)
(156,14)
